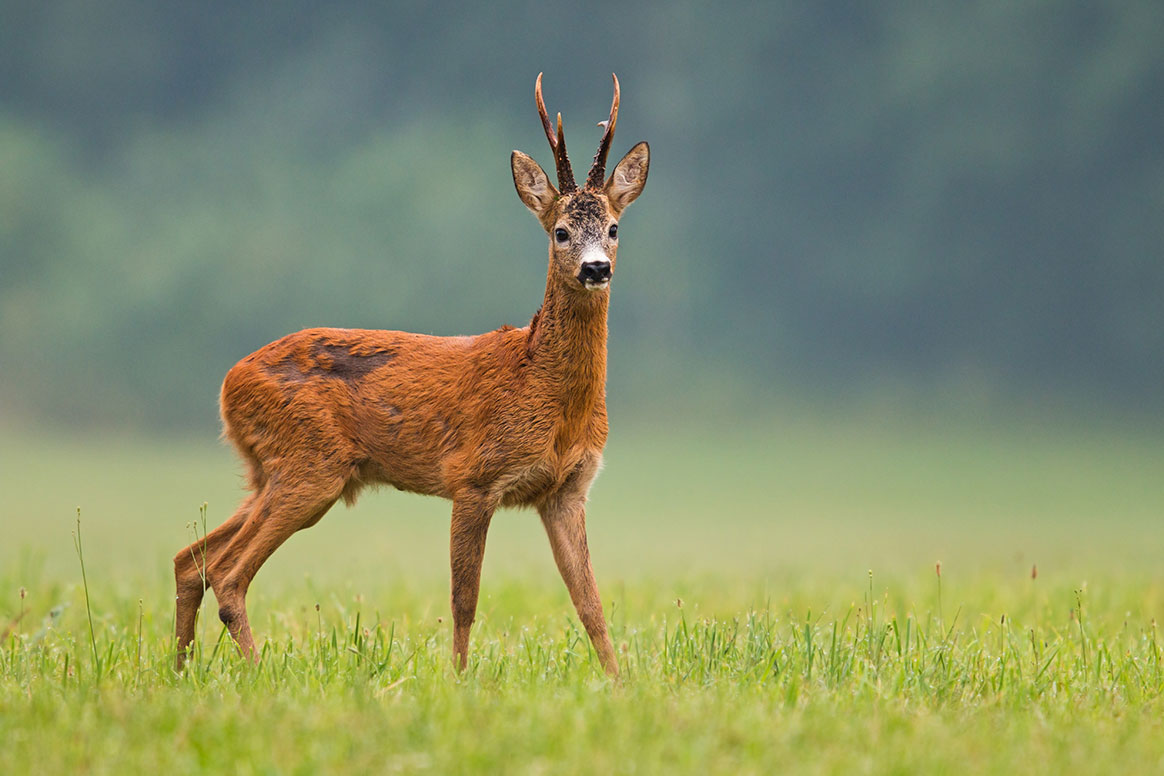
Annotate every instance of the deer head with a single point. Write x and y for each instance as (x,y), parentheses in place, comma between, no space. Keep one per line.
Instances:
(582,223)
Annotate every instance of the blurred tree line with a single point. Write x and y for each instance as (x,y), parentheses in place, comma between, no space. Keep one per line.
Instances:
(843,196)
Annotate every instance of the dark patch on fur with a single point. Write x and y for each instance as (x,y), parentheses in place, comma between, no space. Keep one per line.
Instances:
(585,206)
(228,615)
(343,362)
(286,372)
(348,362)
(589,215)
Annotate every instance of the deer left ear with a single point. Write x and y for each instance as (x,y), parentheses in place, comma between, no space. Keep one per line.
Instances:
(629,177)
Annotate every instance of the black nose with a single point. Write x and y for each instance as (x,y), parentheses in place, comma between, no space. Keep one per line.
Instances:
(595,272)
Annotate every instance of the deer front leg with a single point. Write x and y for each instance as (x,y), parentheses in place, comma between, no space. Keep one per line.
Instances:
(471,516)
(565,522)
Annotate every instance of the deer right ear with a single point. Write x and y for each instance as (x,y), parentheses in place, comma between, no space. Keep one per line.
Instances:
(533,186)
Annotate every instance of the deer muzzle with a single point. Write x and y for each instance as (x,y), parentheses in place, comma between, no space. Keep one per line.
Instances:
(595,275)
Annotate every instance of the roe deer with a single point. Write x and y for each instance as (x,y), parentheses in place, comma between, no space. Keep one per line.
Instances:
(513,417)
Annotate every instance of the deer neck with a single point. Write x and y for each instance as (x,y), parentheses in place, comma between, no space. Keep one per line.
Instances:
(567,345)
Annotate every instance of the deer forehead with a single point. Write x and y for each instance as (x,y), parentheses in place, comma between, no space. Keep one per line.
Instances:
(586,212)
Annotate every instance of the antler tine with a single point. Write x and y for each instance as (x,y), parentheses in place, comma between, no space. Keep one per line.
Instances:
(565,172)
(597,174)
(557,144)
(544,116)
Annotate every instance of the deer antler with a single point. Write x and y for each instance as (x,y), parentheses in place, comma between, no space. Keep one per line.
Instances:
(597,174)
(558,144)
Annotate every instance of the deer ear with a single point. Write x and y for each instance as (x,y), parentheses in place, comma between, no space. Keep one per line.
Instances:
(629,177)
(533,186)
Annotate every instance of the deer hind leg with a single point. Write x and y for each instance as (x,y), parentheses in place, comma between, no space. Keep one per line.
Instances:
(280,510)
(470,526)
(565,523)
(190,567)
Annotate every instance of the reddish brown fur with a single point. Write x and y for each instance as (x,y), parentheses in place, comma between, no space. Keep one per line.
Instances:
(513,417)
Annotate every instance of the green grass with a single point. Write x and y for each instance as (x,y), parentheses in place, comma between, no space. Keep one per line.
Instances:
(772,593)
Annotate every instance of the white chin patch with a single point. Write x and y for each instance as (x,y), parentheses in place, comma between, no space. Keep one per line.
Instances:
(597,286)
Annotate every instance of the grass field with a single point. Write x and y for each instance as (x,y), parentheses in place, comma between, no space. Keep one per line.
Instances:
(773,594)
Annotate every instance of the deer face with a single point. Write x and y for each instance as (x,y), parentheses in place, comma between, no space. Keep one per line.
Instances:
(584,241)
(582,223)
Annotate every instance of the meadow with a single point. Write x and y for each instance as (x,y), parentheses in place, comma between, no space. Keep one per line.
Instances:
(866,593)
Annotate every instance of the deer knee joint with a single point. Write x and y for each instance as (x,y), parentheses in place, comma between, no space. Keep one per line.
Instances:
(229,614)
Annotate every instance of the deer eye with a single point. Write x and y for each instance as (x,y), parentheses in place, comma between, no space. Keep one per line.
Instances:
(561,235)
(614,231)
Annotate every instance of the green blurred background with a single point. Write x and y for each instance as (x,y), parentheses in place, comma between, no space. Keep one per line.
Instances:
(960,205)
(894,293)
